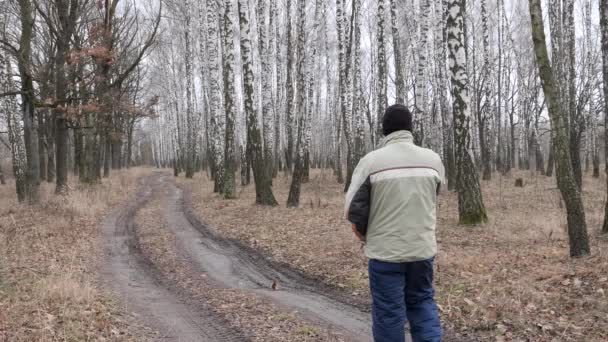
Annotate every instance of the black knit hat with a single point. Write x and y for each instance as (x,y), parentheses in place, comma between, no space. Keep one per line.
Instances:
(396,118)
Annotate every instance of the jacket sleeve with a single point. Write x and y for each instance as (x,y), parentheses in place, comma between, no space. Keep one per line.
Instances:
(358,199)
(358,212)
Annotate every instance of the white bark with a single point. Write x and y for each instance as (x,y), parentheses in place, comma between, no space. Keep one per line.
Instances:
(215,97)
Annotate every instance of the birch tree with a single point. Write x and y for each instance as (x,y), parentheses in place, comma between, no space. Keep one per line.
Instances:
(604,34)
(422,120)
(265,45)
(263,180)
(484,116)
(397,54)
(190,140)
(215,94)
(570,191)
(229,183)
(298,171)
(442,93)
(382,69)
(289,92)
(471,209)
(8,109)
(576,122)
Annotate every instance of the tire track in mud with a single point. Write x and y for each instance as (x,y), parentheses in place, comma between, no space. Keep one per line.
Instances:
(228,264)
(231,265)
(131,276)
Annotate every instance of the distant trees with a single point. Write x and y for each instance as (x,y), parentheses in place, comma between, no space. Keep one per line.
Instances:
(77,65)
(308,91)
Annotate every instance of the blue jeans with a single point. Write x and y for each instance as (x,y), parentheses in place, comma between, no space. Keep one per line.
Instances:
(403,291)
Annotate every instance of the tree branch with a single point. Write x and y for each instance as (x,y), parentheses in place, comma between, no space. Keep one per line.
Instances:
(4,143)
(47,19)
(9,46)
(12,93)
(147,45)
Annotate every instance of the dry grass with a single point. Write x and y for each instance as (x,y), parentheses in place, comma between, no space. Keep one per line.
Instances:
(256,317)
(48,257)
(509,280)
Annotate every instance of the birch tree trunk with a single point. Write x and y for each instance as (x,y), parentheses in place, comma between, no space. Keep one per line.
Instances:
(442,81)
(485,115)
(577,228)
(264,45)
(381,95)
(399,77)
(8,108)
(576,121)
(345,85)
(422,122)
(263,187)
(289,92)
(604,33)
(215,95)
(471,209)
(229,186)
(293,201)
(190,137)
(358,103)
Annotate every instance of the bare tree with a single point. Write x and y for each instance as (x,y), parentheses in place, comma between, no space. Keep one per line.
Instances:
(577,227)
(263,180)
(604,34)
(471,209)
(229,183)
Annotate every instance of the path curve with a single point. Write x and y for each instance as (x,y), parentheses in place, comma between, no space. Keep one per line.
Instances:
(228,264)
(128,274)
(231,265)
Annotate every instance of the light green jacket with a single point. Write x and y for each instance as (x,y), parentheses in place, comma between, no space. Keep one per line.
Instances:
(400,181)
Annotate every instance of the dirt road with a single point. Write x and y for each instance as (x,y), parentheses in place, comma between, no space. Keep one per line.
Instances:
(227,263)
(126,272)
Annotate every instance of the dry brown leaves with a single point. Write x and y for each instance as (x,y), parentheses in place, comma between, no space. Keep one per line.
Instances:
(509,280)
(48,257)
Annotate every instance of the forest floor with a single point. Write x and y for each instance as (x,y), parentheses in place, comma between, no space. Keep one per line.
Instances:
(508,280)
(177,262)
(49,256)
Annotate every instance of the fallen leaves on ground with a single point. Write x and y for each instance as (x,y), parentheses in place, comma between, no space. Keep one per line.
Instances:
(48,254)
(509,280)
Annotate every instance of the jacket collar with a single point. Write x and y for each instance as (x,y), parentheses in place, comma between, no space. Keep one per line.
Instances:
(398,136)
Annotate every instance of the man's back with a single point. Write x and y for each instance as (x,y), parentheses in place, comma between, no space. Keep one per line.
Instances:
(403,180)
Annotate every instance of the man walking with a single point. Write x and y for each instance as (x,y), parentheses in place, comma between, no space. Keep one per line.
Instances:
(392,204)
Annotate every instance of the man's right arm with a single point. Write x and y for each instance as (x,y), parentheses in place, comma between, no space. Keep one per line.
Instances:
(358,200)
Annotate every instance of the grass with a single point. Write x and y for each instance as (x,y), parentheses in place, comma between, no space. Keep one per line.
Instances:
(48,256)
(509,279)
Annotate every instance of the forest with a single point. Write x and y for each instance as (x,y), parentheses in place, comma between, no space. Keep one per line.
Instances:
(176,169)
